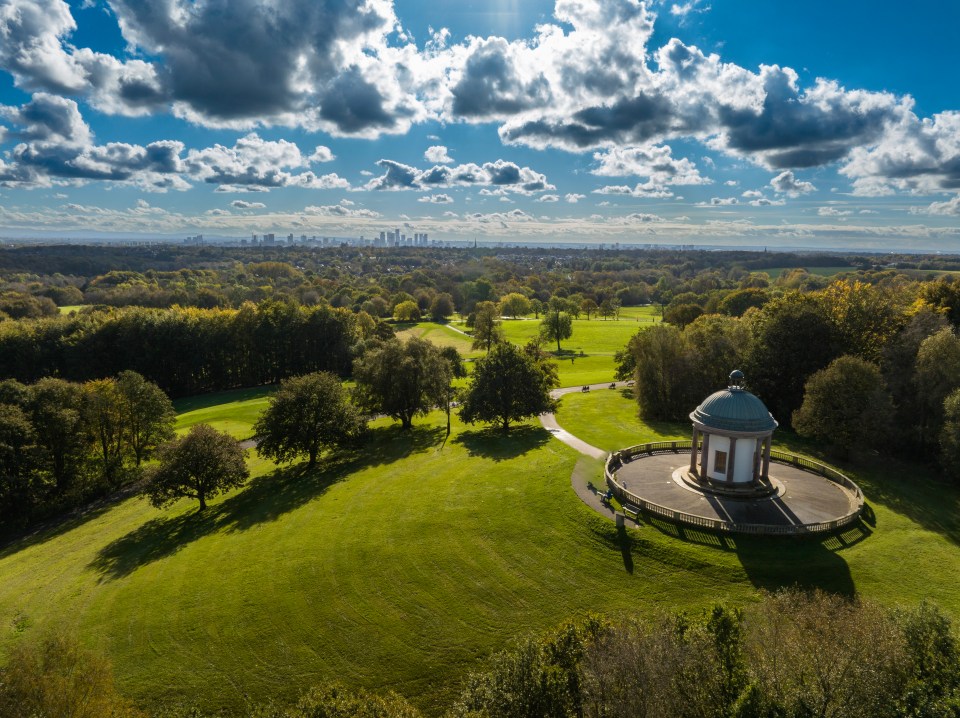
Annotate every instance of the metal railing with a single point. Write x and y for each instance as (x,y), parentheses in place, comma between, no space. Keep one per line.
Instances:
(618,458)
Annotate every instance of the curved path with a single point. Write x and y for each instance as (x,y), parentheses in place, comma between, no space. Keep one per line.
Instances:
(804,499)
(585,471)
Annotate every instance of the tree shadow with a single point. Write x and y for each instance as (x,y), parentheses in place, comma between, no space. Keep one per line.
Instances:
(626,548)
(775,562)
(500,446)
(265,499)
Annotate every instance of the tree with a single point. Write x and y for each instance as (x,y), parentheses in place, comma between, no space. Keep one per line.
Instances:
(54,409)
(401,379)
(486,326)
(606,309)
(507,386)
(150,415)
(936,375)
(661,364)
(104,418)
(537,307)
(441,307)
(792,337)
(556,325)
(950,436)
(515,305)
(306,415)
(681,314)
(407,311)
(56,677)
(17,480)
(200,465)
(588,307)
(846,405)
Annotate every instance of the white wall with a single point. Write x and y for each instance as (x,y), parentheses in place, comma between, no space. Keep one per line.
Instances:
(743,461)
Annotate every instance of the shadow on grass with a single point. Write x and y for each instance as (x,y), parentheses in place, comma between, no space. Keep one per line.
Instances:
(499,445)
(265,499)
(626,548)
(776,562)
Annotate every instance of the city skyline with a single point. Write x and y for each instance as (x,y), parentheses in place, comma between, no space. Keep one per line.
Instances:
(569,121)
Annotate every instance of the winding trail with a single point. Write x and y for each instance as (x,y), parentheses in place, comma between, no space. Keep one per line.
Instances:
(586,469)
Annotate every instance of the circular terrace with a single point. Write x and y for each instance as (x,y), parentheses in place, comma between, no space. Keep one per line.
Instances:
(805,497)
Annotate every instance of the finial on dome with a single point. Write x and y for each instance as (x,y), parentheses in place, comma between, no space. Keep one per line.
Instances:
(736,379)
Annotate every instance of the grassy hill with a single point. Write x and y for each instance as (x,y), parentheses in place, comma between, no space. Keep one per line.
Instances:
(403,566)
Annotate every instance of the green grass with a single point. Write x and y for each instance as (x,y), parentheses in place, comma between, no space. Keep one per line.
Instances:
(819,271)
(231,411)
(66,309)
(403,566)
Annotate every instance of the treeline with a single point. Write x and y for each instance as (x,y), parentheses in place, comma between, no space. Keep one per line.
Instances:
(63,444)
(186,350)
(793,655)
(850,364)
(34,279)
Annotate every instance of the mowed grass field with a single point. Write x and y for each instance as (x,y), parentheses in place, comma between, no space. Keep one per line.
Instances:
(585,358)
(400,567)
(405,565)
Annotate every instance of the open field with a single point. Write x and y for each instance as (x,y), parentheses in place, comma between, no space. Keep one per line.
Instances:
(66,309)
(405,565)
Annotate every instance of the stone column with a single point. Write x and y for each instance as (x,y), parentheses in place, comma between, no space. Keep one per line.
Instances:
(766,458)
(693,452)
(757,454)
(704,456)
(731,460)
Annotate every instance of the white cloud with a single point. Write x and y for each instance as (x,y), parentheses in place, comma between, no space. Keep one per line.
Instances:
(549,198)
(322,154)
(436,199)
(438,154)
(787,183)
(949,208)
(243,204)
(573,197)
(833,212)
(504,175)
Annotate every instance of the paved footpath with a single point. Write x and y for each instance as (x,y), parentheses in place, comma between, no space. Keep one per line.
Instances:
(585,472)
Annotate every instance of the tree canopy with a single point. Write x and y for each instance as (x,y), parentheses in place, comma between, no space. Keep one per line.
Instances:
(402,379)
(200,465)
(306,415)
(508,385)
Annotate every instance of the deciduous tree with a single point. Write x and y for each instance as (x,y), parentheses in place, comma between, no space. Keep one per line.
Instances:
(507,386)
(845,405)
(306,415)
(200,465)
(401,379)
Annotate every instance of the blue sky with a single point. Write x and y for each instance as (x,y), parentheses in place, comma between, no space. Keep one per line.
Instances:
(734,122)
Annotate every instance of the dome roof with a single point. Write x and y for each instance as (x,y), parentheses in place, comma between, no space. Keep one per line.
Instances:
(734,409)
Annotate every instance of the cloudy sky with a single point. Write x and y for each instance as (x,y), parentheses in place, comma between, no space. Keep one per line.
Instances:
(744,122)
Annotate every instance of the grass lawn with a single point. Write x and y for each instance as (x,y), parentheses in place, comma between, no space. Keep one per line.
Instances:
(403,566)
(819,271)
(66,309)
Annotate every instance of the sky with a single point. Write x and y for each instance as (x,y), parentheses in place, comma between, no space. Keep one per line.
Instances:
(707,122)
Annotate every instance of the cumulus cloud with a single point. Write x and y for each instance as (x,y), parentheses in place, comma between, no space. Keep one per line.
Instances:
(322,154)
(787,183)
(949,208)
(243,204)
(339,210)
(589,80)
(653,162)
(501,174)
(573,197)
(436,199)
(833,212)
(719,202)
(438,154)
(548,198)
(58,146)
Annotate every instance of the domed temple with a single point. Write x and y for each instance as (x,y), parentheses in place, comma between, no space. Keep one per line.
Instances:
(727,484)
(732,433)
